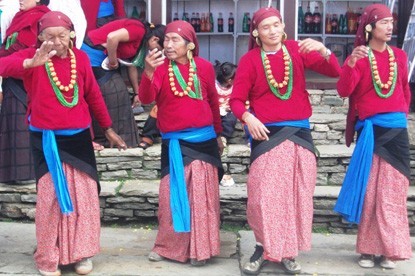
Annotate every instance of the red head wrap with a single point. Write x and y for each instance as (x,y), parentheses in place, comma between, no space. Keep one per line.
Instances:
(259,15)
(55,19)
(371,14)
(185,30)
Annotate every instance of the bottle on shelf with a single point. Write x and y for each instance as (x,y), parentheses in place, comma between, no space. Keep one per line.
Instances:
(300,20)
(135,14)
(203,23)
(207,24)
(176,16)
(193,21)
(351,22)
(142,16)
(231,23)
(334,24)
(220,23)
(198,23)
(340,28)
(245,26)
(308,21)
(317,21)
(358,15)
(185,17)
(328,24)
(211,22)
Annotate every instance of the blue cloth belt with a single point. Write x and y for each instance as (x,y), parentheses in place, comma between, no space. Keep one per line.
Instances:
(50,150)
(179,201)
(299,123)
(351,198)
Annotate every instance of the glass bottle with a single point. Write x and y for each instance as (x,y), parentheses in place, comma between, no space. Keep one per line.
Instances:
(308,21)
(231,23)
(220,23)
(300,20)
(135,14)
(185,17)
(211,22)
(328,23)
(245,26)
(317,21)
(334,24)
(198,23)
(176,16)
(193,21)
(203,23)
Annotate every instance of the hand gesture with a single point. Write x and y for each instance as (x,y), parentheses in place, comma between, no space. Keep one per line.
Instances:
(115,139)
(256,128)
(307,45)
(154,59)
(42,55)
(358,53)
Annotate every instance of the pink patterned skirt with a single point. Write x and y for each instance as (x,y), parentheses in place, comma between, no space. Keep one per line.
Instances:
(383,229)
(65,239)
(203,241)
(281,185)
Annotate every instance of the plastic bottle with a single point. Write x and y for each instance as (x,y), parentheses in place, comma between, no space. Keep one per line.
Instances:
(316,21)
(231,23)
(308,21)
(300,20)
(220,23)
(328,23)
(203,23)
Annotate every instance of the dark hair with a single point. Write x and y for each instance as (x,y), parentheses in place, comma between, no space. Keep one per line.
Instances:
(224,71)
(44,2)
(154,30)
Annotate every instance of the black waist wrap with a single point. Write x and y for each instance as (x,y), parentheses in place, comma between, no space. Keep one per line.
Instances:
(17,88)
(277,135)
(392,145)
(75,150)
(205,151)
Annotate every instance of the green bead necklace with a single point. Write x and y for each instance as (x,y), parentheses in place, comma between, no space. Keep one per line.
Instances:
(288,75)
(377,82)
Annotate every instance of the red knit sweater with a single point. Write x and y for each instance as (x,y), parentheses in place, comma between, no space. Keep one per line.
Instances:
(178,113)
(357,84)
(44,109)
(251,84)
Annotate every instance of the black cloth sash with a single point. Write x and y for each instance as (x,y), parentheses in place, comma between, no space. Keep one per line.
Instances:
(277,135)
(101,75)
(17,88)
(75,150)
(392,145)
(205,151)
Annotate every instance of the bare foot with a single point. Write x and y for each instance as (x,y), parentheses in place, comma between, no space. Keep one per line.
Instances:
(97,146)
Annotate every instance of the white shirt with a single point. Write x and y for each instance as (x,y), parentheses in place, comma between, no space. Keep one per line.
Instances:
(9,9)
(73,9)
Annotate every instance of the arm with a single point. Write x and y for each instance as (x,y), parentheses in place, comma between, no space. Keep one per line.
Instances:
(318,58)
(350,74)
(134,77)
(214,101)
(113,39)
(405,81)
(148,84)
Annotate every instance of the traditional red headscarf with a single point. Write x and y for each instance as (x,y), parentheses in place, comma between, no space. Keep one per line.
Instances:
(185,30)
(259,15)
(371,14)
(55,19)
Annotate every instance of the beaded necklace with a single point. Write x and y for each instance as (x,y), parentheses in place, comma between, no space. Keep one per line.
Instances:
(288,73)
(58,87)
(377,82)
(186,87)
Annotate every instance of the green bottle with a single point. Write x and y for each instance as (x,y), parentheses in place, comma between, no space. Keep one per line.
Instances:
(245,25)
(135,14)
(211,23)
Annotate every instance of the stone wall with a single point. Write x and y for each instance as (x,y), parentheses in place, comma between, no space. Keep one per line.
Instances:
(130,179)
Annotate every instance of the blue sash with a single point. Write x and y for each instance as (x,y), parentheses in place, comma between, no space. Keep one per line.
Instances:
(352,194)
(105,9)
(50,150)
(179,201)
(95,56)
(299,123)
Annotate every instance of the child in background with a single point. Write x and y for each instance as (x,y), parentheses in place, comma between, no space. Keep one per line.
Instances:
(225,73)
